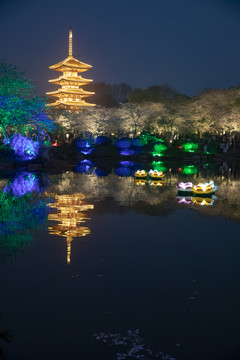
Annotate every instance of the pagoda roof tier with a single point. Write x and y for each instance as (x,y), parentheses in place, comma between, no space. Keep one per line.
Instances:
(77,79)
(80,92)
(70,104)
(70,64)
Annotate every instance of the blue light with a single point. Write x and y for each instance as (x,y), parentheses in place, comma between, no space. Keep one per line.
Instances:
(127,152)
(86,151)
(24,148)
(24,183)
(123,171)
(127,163)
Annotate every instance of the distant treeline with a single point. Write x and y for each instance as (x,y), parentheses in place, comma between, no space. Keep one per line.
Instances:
(113,95)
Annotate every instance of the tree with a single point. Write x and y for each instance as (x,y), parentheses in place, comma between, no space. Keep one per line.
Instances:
(20,110)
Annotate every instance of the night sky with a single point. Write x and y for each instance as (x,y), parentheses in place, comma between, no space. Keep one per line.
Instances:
(188,44)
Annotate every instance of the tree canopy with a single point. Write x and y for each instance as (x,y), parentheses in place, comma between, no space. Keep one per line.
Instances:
(20,110)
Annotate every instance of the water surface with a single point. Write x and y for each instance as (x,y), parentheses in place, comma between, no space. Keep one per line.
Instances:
(83,254)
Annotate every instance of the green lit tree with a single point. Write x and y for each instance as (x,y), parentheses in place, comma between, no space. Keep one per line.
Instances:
(20,110)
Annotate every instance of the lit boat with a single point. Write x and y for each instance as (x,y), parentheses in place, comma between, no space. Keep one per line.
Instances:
(202,201)
(204,188)
(155,182)
(140,181)
(185,187)
(155,174)
(141,174)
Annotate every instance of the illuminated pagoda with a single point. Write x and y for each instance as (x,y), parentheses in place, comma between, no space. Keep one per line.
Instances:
(71,212)
(70,96)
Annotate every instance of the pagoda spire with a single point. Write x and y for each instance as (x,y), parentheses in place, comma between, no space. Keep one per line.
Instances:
(70,95)
(70,42)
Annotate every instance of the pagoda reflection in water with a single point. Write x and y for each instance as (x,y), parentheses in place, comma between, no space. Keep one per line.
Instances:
(71,212)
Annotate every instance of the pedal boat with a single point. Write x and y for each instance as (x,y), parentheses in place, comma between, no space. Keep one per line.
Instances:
(203,189)
(185,188)
(140,174)
(155,174)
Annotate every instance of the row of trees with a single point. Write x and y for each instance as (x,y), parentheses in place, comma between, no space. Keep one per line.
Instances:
(158,109)
(215,112)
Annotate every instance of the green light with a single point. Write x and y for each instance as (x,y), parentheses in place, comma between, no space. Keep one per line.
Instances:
(189,170)
(154,153)
(157,165)
(160,147)
(154,163)
(190,147)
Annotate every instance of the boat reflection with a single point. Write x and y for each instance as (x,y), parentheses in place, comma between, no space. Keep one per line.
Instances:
(197,200)
(71,212)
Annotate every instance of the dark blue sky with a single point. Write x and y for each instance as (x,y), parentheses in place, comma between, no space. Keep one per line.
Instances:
(188,44)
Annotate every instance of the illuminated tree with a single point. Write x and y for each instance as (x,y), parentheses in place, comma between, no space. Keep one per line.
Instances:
(134,118)
(20,111)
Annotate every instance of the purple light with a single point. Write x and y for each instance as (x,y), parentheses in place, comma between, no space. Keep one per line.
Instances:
(86,151)
(23,184)
(87,162)
(126,152)
(184,200)
(127,163)
(23,147)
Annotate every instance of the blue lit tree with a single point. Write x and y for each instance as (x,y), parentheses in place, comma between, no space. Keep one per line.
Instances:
(20,111)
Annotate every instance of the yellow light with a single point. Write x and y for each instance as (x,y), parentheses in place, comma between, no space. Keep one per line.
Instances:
(71,68)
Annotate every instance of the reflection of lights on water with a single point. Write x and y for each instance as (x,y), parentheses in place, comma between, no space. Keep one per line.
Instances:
(122,171)
(184,200)
(195,200)
(190,147)
(127,163)
(203,201)
(24,183)
(71,213)
(160,148)
(127,152)
(140,182)
(155,182)
(188,170)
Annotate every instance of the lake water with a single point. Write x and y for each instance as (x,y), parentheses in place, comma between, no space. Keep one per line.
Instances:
(84,257)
